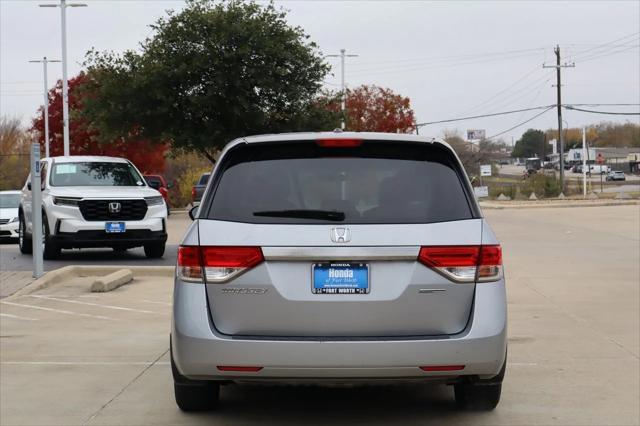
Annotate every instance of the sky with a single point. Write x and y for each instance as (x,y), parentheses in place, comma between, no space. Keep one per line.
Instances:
(451,58)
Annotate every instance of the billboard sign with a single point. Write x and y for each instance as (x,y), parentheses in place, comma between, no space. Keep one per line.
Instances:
(476,134)
(485,170)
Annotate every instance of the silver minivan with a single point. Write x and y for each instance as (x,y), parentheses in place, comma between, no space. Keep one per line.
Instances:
(338,257)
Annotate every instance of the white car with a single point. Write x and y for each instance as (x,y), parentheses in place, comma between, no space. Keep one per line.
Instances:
(9,202)
(94,202)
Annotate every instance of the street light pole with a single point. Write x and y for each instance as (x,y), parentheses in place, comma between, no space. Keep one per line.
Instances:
(65,90)
(45,61)
(342,57)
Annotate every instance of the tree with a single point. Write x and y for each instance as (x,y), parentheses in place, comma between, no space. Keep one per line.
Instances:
(210,73)
(377,109)
(14,154)
(148,157)
(470,154)
(530,144)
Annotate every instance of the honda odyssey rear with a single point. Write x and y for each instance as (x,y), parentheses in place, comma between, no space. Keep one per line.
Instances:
(339,258)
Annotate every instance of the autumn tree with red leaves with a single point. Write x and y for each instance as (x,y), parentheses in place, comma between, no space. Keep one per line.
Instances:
(147,156)
(378,109)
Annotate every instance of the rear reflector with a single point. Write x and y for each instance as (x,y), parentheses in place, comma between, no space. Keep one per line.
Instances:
(339,143)
(219,263)
(237,368)
(464,264)
(442,367)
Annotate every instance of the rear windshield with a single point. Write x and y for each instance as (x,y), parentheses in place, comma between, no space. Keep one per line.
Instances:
(378,182)
(95,174)
(204,179)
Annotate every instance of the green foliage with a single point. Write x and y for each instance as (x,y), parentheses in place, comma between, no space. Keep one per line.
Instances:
(542,185)
(530,144)
(14,154)
(213,72)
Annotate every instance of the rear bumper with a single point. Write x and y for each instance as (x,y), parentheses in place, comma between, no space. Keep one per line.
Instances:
(198,349)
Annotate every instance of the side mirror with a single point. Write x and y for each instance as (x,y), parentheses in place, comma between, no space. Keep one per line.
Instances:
(29,186)
(193,212)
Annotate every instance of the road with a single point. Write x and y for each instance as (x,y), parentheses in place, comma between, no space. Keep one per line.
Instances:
(71,357)
(12,260)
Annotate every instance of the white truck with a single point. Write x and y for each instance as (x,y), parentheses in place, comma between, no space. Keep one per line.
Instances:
(596,169)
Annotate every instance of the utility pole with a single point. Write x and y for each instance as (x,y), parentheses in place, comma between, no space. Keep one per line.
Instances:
(342,57)
(558,68)
(44,62)
(65,90)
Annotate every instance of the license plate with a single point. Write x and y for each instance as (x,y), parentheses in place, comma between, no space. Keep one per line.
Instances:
(114,227)
(340,278)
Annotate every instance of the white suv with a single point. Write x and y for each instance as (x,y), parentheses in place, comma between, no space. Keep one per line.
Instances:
(94,202)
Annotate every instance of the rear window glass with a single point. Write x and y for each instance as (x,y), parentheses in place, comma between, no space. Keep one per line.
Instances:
(204,179)
(378,182)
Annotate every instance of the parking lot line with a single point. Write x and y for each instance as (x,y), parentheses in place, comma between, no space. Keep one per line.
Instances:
(18,317)
(59,311)
(120,308)
(158,303)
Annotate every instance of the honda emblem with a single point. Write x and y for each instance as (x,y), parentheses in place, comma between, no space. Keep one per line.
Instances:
(114,207)
(340,235)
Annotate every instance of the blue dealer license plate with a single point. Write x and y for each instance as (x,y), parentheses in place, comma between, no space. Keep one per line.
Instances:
(340,278)
(114,227)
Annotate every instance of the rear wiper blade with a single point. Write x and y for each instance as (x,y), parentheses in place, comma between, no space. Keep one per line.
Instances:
(304,214)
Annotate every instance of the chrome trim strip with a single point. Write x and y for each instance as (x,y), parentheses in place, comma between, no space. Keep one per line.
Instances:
(324,253)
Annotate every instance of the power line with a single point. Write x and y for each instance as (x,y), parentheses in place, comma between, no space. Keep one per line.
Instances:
(600,112)
(482,116)
(520,124)
(603,55)
(603,45)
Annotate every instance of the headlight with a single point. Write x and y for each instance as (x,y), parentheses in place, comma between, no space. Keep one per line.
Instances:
(154,201)
(15,219)
(65,201)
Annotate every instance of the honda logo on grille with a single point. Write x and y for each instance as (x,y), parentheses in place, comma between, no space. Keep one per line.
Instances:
(114,207)
(340,235)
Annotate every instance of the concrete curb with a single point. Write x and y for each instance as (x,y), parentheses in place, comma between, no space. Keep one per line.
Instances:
(65,273)
(112,281)
(555,204)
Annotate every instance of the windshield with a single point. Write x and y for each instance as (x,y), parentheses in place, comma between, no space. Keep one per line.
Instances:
(95,174)
(9,201)
(377,183)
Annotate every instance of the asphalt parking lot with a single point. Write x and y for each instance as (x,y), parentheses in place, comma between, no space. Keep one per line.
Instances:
(72,357)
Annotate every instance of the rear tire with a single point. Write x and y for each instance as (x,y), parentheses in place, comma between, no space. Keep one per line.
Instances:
(154,251)
(24,242)
(197,397)
(478,397)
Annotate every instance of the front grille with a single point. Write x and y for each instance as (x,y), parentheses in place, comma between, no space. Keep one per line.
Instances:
(4,221)
(99,210)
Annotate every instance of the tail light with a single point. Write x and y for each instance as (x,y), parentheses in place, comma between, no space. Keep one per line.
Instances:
(216,264)
(339,143)
(464,264)
(193,193)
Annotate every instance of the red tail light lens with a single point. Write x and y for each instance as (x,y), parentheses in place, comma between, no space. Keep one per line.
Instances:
(189,263)
(193,193)
(464,264)
(238,368)
(442,367)
(339,143)
(217,264)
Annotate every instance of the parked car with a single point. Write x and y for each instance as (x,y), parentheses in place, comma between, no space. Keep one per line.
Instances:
(158,183)
(92,201)
(616,175)
(318,258)
(598,169)
(9,202)
(198,189)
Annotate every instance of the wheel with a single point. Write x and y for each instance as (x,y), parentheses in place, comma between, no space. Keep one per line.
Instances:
(50,250)
(478,396)
(24,242)
(201,397)
(154,251)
